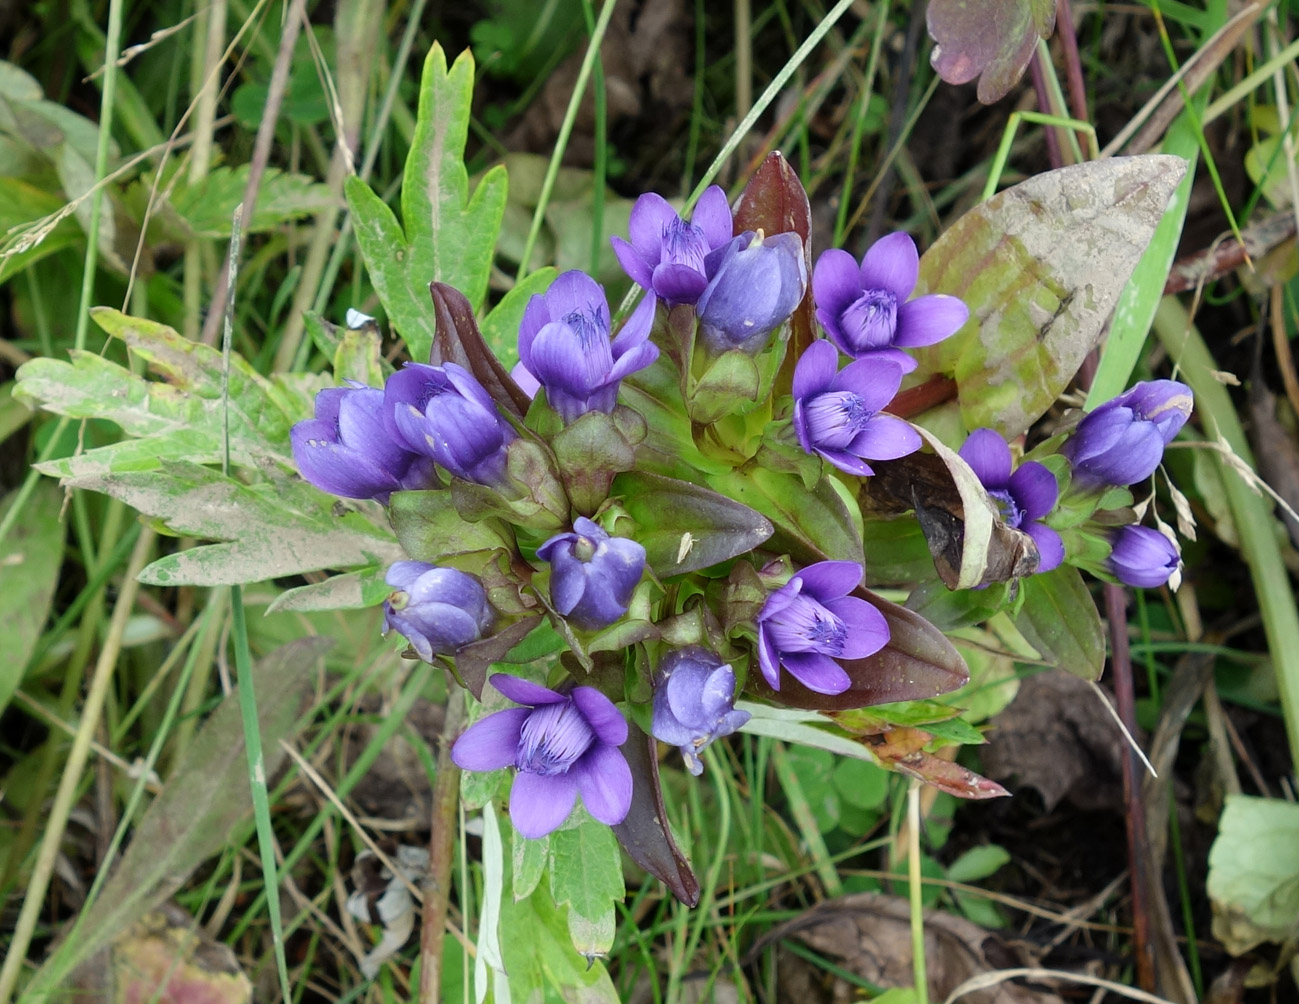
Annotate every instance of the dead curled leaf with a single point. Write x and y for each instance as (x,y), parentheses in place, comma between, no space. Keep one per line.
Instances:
(869,934)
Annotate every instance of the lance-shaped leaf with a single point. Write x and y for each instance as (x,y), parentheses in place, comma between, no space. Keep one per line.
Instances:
(685,527)
(31,555)
(1060,620)
(644,834)
(586,876)
(459,341)
(446,234)
(270,530)
(902,750)
(810,525)
(989,39)
(429,528)
(1040,266)
(970,544)
(918,663)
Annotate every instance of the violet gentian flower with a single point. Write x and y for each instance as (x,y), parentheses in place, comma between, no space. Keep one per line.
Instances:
(439,610)
(561,744)
(666,254)
(444,413)
(1142,557)
(1023,497)
(811,621)
(592,574)
(837,412)
(564,343)
(754,284)
(345,450)
(1122,441)
(865,309)
(694,703)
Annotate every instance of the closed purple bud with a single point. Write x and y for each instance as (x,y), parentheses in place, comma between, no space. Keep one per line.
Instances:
(564,344)
(754,284)
(812,621)
(592,574)
(561,743)
(666,254)
(1122,441)
(346,449)
(439,610)
(694,703)
(1142,557)
(866,311)
(442,412)
(837,412)
(1023,497)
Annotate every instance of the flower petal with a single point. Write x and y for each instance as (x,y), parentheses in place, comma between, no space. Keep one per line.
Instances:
(575,291)
(601,714)
(492,742)
(885,438)
(817,672)
(636,328)
(334,468)
(874,380)
(988,456)
(539,802)
(650,216)
(604,779)
(712,215)
(522,691)
(1050,548)
(827,580)
(893,264)
(929,319)
(768,659)
(1034,489)
(847,462)
(816,368)
(678,283)
(632,263)
(836,281)
(567,580)
(536,315)
(868,631)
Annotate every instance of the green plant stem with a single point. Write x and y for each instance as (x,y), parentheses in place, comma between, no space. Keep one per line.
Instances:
(437,890)
(859,122)
(1251,513)
(565,130)
(914,889)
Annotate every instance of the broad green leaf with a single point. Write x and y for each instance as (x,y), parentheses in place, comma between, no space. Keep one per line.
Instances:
(30,226)
(1253,880)
(1060,620)
(978,863)
(31,556)
(208,207)
(352,591)
(270,529)
(811,526)
(1041,266)
(195,816)
(177,418)
(446,235)
(586,875)
(530,860)
(989,39)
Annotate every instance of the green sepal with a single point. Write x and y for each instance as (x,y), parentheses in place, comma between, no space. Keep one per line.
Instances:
(592,451)
(540,503)
(729,385)
(429,527)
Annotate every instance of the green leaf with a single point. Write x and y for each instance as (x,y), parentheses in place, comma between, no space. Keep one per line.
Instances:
(352,591)
(811,526)
(530,860)
(430,529)
(1041,266)
(208,207)
(271,529)
(586,874)
(989,39)
(195,816)
(1060,620)
(449,235)
(1253,880)
(31,556)
(978,863)
(177,418)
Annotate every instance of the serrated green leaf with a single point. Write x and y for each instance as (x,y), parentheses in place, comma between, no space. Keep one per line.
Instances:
(270,530)
(1060,620)
(449,235)
(208,207)
(31,556)
(586,875)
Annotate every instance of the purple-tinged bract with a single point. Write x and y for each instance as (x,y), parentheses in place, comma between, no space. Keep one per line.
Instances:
(837,413)
(592,574)
(866,311)
(1023,497)
(564,344)
(346,450)
(444,413)
(1122,441)
(1142,557)
(439,610)
(666,254)
(754,284)
(811,621)
(561,744)
(694,703)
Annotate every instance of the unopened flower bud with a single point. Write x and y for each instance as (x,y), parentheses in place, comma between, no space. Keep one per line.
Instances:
(438,610)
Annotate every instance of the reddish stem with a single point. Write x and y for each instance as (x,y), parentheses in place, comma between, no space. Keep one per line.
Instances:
(441,852)
(916,400)
(1072,64)
(1053,153)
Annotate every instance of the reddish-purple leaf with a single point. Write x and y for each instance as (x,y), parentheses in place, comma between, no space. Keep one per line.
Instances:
(458,340)
(989,39)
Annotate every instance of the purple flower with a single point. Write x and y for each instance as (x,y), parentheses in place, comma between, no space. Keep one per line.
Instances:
(865,309)
(811,621)
(1122,441)
(560,744)
(1142,557)
(837,412)
(564,343)
(1023,497)
(666,254)
(754,284)
(345,450)
(439,610)
(694,703)
(592,574)
(444,413)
